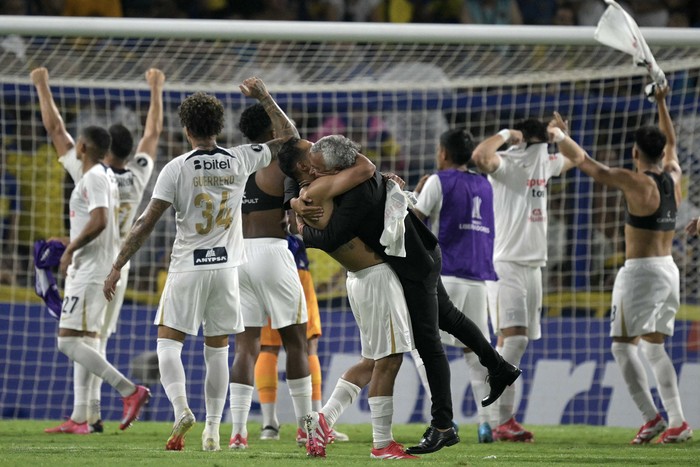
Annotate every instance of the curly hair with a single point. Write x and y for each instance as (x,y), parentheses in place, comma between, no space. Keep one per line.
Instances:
(338,151)
(255,124)
(202,114)
(122,141)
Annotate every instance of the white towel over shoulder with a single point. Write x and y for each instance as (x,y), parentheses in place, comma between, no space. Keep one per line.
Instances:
(395,211)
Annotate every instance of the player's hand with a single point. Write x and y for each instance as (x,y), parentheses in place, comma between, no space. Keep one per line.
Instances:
(660,92)
(155,78)
(110,285)
(693,228)
(302,209)
(66,259)
(558,122)
(421,183)
(392,176)
(39,76)
(254,87)
(516,137)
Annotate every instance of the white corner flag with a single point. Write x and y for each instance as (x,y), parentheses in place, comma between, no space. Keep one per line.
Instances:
(618,30)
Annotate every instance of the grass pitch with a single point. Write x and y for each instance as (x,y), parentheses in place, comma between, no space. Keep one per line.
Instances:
(23,443)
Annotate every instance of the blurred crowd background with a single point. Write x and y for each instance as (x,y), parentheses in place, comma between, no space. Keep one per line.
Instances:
(647,13)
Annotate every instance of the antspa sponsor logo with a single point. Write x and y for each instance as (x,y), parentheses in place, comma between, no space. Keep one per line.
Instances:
(214,255)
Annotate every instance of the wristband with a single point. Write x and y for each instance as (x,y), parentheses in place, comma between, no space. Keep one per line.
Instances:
(116,268)
(505,134)
(558,136)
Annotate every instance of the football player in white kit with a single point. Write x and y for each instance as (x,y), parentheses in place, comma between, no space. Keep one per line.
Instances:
(93,241)
(519,178)
(205,187)
(132,177)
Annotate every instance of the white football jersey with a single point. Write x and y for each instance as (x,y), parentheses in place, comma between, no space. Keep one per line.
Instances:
(520,202)
(430,202)
(132,183)
(97,188)
(206,190)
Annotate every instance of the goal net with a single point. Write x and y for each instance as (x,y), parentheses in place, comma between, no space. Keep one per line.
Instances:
(394,89)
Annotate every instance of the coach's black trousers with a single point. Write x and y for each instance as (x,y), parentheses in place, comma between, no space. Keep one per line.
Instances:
(422,301)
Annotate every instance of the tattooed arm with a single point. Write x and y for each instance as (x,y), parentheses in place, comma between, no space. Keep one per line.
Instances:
(140,231)
(282,126)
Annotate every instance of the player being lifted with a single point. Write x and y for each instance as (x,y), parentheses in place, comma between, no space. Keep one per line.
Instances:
(646,294)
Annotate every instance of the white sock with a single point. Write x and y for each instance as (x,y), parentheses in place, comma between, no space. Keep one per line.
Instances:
(477,377)
(78,351)
(666,381)
(381,411)
(240,398)
(300,390)
(343,396)
(215,384)
(513,350)
(316,405)
(95,393)
(81,385)
(634,375)
(420,368)
(172,374)
(269,414)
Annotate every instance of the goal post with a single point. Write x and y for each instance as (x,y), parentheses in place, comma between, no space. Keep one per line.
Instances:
(394,89)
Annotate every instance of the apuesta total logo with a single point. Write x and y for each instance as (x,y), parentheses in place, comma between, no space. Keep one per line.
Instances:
(214,164)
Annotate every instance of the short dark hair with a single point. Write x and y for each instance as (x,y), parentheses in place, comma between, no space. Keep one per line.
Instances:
(202,114)
(651,142)
(122,141)
(458,145)
(532,129)
(255,123)
(98,139)
(288,156)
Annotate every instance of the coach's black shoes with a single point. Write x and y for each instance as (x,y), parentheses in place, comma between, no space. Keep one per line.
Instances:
(504,376)
(434,440)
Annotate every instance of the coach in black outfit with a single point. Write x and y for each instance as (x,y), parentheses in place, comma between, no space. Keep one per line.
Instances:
(360,213)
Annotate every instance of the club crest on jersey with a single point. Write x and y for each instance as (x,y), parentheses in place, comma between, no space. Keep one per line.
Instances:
(214,255)
(212,164)
(256,147)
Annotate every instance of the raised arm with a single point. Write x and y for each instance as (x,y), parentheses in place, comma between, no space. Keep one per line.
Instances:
(485,156)
(50,116)
(670,160)
(558,134)
(282,125)
(330,186)
(154,119)
(139,232)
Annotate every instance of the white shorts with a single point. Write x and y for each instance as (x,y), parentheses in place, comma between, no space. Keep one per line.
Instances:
(207,298)
(270,285)
(84,305)
(378,304)
(109,326)
(645,298)
(516,298)
(469,297)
